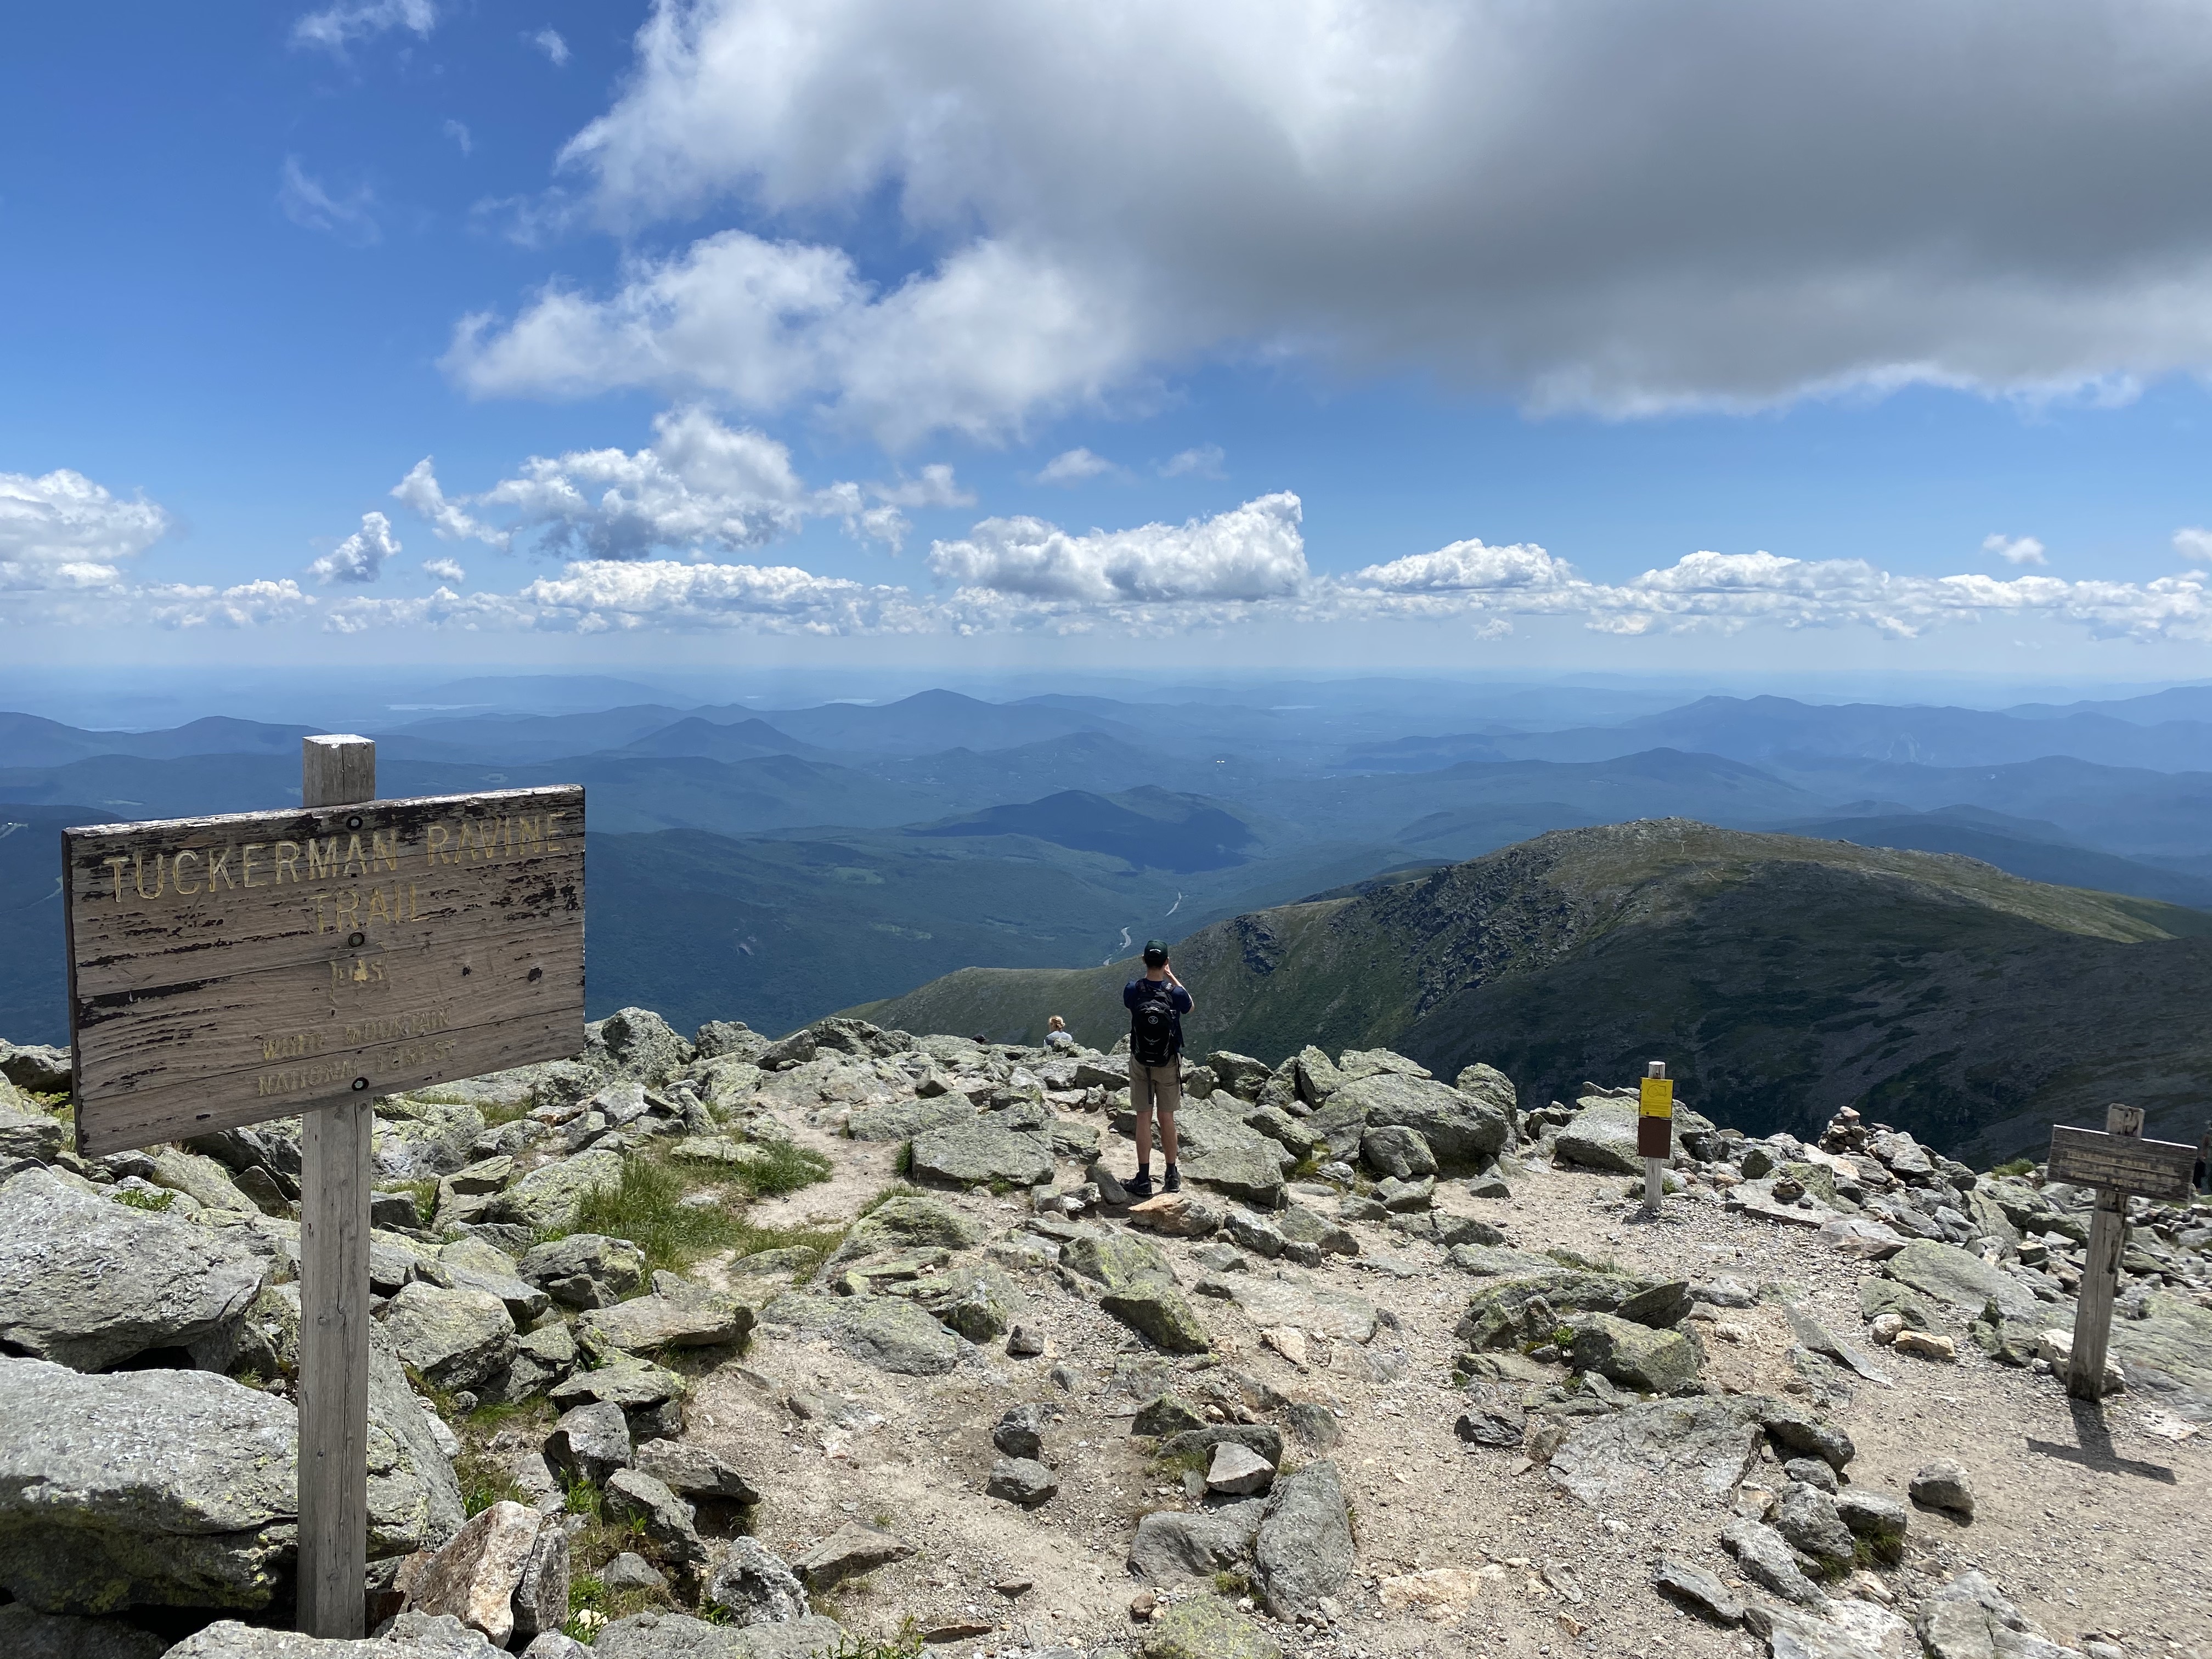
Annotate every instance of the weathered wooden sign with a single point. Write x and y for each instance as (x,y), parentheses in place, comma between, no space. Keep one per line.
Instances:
(225,970)
(2124,1163)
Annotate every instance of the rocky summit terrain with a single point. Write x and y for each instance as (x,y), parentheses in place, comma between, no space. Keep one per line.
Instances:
(1783,978)
(851,1344)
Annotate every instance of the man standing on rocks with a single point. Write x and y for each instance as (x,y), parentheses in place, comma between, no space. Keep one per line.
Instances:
(1157,1003)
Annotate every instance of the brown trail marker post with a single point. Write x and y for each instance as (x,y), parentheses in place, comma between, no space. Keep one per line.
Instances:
(2117,1162)
(1655,1132)
(227,970)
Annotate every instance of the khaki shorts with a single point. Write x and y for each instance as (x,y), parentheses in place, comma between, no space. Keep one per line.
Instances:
(1155,1088)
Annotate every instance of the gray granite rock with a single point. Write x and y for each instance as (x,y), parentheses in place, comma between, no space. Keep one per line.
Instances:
(90,1283)
(1302,1551)
(1172,1545)
(26,1634)
(157,1488)
(754,1586)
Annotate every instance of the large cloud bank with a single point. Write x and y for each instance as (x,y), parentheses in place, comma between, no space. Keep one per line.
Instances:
(1611,206)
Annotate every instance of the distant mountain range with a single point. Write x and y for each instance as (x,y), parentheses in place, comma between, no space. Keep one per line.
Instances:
(1781,977)
(774,864)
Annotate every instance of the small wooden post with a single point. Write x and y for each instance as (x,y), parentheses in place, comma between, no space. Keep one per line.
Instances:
(2100,1273)
(1655,1169)
(334,1189)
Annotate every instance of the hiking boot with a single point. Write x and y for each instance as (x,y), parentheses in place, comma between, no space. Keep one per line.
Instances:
(1173,1181)
(1139,1185)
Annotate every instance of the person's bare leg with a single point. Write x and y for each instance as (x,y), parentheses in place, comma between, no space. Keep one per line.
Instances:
(1168,1135)
(1144,1136)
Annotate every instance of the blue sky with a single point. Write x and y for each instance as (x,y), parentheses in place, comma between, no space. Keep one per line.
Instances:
(1845,288)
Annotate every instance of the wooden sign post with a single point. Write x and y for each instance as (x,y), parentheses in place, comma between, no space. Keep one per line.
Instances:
(1655,1132)
(228,971)
(2116,1162)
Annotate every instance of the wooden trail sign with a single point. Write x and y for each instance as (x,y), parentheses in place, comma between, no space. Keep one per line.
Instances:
(227,970)
(2117,1163)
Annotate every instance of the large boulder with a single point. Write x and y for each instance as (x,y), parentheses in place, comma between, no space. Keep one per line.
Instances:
(413,1636)
(1306,1303)
(2169,1354)
(1115,1258)
(1961,1279)
(155,1488)
(983,1152)
(40,1067)
(637,1044)
(889,1333)
(1303,1549)
(679,1635)
(1205,1627)
(1174,1544)
(909,1222)
(1601,1136)
(456,1339)
(585,1270)
(550,1196)
(91,1283)
(27,1134)
(1499,1313)
(754,1586)
(414,1498)
(678,1315)
(1219,1151)
(1635,1356)
(1703,1446)
(420,1136)
(1460,1129)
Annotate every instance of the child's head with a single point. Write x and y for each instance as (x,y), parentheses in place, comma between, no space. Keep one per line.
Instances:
(1056,1024)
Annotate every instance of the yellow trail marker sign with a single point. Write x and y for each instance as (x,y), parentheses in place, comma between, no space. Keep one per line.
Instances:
(1656,1096)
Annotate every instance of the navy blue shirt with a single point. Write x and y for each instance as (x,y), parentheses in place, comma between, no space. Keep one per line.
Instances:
(1142,989)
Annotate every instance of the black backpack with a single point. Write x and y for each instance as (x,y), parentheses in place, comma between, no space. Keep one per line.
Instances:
(1152,1029)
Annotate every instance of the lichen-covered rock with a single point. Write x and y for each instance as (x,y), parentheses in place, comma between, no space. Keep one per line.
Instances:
(1499,1312)
(1115,1258)
(548,1198)
(26,1134)
(25,1634)
(1462,1130)
(754,1586)
(1303,1549)
(680,1316)
(157,1488)
(422,1135)
(889,1333)
(679,1636)
(982,1152)
(90,1283)
(693,1471)
(1173,1544)
(474,1576)
(585,1270)
(1958,1278)
(471,1264)
(414,1500)
(637,1044)
(1704,1446)
(1205,1627)
(456,1339)
(1391,1149)
(413,1636)
(1156,1310)
(1600,1136)
(1635,1356)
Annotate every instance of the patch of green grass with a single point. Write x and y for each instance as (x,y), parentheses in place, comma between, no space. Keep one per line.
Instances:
(423,1192)
(155,1201)
(1177,1464)
(489,1419)
(779,1167)
(647,1207)
(2019,1166)
(1230,1584)
(484,1482)
(902,1160)
(905,1644)
(592,1606)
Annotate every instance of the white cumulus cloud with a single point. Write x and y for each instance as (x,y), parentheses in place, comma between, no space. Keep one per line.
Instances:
(444,569)
(1609,206)
(358,559)
(1251,552)
(62,533)
(2194,544)
(2023,550)
(699,487)
(549,41)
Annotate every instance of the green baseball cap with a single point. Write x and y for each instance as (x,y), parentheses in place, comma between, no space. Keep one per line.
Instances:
(1160,944)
